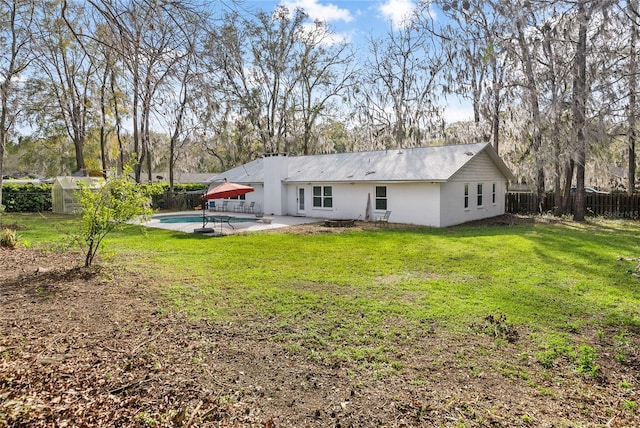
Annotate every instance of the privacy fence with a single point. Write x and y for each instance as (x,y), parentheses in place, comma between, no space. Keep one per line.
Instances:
(597,204)
(178,200)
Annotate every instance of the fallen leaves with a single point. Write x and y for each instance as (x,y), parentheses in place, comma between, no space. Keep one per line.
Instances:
(84,350)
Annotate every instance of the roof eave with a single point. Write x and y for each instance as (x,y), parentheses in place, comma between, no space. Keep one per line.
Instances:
(350,181)
(499,163)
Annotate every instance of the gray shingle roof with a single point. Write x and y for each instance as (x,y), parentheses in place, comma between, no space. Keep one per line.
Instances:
(437,164)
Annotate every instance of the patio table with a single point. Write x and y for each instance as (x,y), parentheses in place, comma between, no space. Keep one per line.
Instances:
(220,219)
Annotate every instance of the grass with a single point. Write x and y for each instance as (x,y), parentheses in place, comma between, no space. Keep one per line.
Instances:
(351,294)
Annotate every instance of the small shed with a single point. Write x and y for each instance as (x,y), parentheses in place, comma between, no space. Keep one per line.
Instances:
(64,198)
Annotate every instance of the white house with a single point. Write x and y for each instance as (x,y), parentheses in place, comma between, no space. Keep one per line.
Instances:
(432,186)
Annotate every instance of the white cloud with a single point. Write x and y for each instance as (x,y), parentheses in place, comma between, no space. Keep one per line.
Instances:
(458,113)
(321,12)
(329,38)
(397,11)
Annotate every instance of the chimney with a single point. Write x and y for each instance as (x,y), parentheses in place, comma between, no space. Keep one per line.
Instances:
(275,170)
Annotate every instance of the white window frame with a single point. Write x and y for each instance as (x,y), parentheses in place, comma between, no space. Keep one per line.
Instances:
(324,199)
(466,196)
(382,199)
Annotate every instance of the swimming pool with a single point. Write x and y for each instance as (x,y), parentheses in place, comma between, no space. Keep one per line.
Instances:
(198,219)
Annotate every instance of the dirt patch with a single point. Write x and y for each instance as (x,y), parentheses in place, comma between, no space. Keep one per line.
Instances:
(322,227)
(95,348)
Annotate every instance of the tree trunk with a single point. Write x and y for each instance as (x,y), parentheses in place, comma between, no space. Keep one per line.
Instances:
(557,180)
(103,120)
(78,143)
(146,141)
(116,113)
(176,131)
(3,138)
(633,86)
(579,109)
(497,89)
(496,119)
(137,167)
(3,131)
(566,193)
(532,91)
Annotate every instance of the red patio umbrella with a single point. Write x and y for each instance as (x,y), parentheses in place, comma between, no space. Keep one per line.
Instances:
(224,190)
(227,190)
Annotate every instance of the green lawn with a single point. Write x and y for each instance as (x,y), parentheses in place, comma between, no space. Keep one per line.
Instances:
(345,292)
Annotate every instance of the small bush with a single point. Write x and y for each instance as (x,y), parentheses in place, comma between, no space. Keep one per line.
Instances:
(115,205)
(586,360)
(498,327)
(546,358)
(8,238)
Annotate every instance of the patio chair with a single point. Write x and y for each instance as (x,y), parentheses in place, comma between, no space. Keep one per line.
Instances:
(211,205)
(222,207)
(250,208)
(240,207)
(382,220)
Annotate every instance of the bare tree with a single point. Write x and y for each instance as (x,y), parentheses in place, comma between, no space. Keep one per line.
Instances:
(534,107)
(325,72)
(16,18)
(65,75)
(633,19)
(108,99)
(258,61)
(474,43)
(180,109)
(280,74)
(150,37)
(557,72)
(580,106)
(527,53)
(399,91)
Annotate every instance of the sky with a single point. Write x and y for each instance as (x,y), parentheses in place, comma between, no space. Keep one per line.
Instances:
(355,21)
(352,20)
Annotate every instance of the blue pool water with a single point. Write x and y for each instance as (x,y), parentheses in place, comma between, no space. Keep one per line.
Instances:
(198,219)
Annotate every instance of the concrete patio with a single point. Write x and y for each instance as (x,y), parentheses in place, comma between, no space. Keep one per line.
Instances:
(267,222)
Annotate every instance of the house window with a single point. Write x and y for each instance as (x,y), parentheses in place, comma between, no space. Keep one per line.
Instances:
(381,197)
(479,194)
(493,193)
(241,197)
(466,196)
(322,197)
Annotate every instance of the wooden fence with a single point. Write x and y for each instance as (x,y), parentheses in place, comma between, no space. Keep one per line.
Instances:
(599,204)
(178,200)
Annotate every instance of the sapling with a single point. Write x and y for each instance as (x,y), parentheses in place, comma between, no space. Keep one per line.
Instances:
(119,202)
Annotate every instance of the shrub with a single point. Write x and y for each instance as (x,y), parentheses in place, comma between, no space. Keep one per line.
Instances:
(26,197)
(8,238)
(497,326)
(120,201)
(586,360)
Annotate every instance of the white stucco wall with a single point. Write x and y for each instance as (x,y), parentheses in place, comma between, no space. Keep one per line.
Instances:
(275,170)
(479,170)
(256,196)
(421,203)
(413,203)
(349,200)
